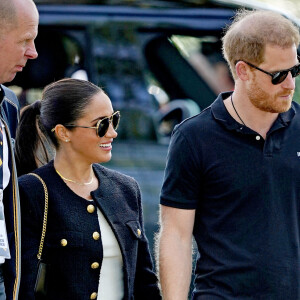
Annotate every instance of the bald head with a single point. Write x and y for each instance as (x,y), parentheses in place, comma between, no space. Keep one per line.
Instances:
(7,13)
(251,31)
(17,36)
(9,10)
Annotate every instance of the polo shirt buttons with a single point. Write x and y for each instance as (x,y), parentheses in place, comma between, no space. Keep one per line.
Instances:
(93,296)
(64,242)
(257,137)
(90,208)
(96,235)
(95,265)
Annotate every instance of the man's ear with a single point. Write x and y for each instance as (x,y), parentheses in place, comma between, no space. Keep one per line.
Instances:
(242,70)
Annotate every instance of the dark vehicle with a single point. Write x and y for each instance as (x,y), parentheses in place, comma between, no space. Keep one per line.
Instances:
(159,61)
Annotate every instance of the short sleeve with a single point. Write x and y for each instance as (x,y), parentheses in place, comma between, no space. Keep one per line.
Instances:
(182,180)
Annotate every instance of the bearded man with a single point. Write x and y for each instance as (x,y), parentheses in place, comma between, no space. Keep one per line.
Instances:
(232,178)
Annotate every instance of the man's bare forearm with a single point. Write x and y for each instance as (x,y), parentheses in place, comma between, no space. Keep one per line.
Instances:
(175,266)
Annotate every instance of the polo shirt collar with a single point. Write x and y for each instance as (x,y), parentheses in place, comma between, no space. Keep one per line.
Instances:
(221,114)
(287,116)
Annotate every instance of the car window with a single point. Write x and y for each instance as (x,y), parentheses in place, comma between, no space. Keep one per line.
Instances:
(204,54)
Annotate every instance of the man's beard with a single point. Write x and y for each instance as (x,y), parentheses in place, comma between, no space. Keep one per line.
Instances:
(269,103)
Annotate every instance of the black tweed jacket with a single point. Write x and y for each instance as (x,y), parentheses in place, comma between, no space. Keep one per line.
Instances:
(71,274)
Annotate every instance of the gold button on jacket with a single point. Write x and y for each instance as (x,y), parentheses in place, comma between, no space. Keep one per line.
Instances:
(63,242)
(93,295)
(95,265)
(139,232)
(96,235)
(90,208)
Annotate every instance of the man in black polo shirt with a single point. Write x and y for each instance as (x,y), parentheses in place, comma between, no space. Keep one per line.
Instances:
(233,176)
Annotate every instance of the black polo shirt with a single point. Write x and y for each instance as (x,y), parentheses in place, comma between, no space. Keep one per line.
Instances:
(246,192)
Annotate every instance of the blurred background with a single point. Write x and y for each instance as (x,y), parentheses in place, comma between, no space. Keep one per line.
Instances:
(159,61)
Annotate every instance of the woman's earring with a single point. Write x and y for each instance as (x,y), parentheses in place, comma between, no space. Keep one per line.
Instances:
(67,141)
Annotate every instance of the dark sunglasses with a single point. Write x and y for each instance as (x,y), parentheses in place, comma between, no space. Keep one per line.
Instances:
(103,124)
(279,76)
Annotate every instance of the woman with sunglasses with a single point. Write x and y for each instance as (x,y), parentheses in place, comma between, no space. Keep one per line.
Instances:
(95,245)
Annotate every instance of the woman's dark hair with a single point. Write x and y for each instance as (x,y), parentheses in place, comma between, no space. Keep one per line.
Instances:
(63,102)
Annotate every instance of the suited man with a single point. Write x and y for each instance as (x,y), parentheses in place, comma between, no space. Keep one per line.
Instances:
(18,29)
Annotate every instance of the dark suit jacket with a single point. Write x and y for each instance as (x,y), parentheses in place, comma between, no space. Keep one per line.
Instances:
(9,111)
(71,275)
